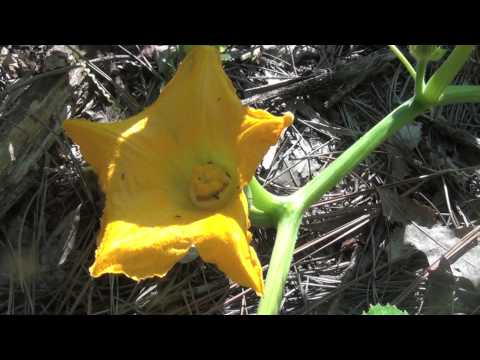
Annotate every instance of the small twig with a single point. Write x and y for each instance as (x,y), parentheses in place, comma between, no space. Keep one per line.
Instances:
(449,205)
(293,61)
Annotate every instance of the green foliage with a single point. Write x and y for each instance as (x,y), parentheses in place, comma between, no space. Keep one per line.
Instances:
(427,52)
(384,310)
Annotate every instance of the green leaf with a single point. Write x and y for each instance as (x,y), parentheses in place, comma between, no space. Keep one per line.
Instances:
(384,310)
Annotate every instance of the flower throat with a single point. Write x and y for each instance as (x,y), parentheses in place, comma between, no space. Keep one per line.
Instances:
(210,186)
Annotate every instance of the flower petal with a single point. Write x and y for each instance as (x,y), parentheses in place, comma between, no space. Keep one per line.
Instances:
(199,106)
(151,248)
(142,235)
(138,252)
(225,243)
(259,131)
(118,148)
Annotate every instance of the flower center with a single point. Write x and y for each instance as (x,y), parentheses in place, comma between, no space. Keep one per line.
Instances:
(210,186)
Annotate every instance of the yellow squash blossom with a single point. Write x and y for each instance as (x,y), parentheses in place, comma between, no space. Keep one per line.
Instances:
(173,176)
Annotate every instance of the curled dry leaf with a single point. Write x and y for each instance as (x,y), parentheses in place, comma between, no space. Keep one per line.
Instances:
(409,136)
(434,242)
(404,210)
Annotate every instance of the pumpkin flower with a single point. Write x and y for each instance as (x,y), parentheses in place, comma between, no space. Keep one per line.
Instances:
(173,176)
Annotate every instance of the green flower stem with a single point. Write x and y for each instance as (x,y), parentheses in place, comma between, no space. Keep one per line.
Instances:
(295,205)
(265,201)
(261,218)
(447,72)
(288,211)
(346,162)
(257,216)
(456,94)
(403,60)
(282,255)
(420,79)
